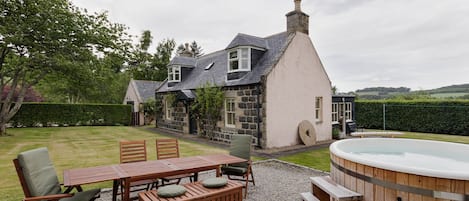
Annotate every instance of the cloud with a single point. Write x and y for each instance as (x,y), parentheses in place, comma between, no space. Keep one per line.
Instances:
(362,43)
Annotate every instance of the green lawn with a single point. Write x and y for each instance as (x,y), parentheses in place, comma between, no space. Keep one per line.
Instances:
(75,147)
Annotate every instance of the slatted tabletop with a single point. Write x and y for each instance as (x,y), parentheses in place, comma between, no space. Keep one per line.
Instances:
(196,191)
(129,172)
(80,176)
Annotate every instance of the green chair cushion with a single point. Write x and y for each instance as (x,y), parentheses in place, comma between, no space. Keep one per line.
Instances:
(82,196)
(233,170)
(170,191)
(241,146)
(39,172)
(216,182)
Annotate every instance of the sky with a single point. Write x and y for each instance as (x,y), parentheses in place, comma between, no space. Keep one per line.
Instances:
(420,44)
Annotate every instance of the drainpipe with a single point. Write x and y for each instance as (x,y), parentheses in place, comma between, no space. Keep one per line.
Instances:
(258,116)
(344,127)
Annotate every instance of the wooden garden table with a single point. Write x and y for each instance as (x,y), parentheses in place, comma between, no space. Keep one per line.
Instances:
(129,172)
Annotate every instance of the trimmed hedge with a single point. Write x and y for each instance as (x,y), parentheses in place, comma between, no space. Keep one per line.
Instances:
(47,114)
(449,117)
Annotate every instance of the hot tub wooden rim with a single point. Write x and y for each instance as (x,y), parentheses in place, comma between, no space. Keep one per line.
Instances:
(459,175)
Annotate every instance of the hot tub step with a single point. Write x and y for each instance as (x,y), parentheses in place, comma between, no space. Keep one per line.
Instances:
(308,196)
(324,189)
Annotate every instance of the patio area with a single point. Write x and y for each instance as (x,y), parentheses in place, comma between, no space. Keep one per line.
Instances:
(275,180)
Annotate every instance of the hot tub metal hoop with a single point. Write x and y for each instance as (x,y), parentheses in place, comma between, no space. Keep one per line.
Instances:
(405,188)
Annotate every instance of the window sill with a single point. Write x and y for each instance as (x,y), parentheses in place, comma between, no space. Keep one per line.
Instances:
(230,126)
(236,71)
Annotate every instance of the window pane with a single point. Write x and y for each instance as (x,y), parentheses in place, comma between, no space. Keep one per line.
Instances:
(244,53)
(244,64)
(234,54)
(234,65)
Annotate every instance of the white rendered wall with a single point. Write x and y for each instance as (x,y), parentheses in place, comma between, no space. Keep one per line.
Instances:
(131,95)
(292,86)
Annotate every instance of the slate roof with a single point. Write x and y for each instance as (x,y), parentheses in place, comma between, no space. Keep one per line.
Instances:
(247,40)
(146,89)
(274,45)
(183,61)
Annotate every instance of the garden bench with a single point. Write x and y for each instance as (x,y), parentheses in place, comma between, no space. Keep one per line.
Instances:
(233,191)
(376,133)
(324,188)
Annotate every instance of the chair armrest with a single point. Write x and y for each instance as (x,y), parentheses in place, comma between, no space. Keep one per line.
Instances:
(48,197)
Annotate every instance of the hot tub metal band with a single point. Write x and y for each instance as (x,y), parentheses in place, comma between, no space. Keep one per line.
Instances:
(405,188)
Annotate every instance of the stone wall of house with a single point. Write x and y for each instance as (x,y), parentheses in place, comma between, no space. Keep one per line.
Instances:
(179,116)
(248,117)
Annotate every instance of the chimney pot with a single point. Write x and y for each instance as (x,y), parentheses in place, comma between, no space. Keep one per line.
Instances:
(297,20)
(298,5)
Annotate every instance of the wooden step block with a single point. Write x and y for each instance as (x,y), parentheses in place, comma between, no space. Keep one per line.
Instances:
(308,196)
(324,186)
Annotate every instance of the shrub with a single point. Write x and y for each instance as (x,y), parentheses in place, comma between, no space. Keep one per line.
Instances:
(432,116)
(46,114)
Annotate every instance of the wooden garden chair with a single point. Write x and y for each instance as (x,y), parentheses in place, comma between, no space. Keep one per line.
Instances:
(240,147)
(169,148)
(40,182)
(134,151)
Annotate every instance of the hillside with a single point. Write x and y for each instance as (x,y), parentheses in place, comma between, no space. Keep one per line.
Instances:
(452,91)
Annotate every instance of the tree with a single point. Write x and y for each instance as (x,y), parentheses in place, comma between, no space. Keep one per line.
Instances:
(334,90)
(207,106)
(145,66)
(99,83)
(149,109)
(31,95)
(49,37)
(193,49)
(162,57)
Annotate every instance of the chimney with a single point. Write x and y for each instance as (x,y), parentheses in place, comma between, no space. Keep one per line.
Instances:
(187,51)
(297,20)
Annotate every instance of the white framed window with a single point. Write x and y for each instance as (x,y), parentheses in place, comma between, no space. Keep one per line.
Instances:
(230,117)
(335,112)
(348,111)
(167,109)
(174,73)
(318,109)
(239,60)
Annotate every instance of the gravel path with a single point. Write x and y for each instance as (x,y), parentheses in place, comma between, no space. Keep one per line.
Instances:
(275,180)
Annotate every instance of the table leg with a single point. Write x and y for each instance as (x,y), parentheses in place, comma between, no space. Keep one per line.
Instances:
(115,186)
(126,190)
(218,172)
(79,189)
(196,176)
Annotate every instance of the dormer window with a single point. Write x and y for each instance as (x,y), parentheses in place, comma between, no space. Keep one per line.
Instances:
(239,60)
(174,73)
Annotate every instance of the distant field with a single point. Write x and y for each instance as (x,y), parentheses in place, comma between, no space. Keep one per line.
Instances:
(448,95)
(375,93)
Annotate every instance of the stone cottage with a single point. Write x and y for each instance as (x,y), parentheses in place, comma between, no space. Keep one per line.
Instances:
(139,92)
(271,84)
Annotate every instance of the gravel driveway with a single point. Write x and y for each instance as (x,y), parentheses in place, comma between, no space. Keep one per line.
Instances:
(275,180)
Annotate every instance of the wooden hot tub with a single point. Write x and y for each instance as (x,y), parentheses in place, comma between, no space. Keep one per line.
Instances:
(391,169)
